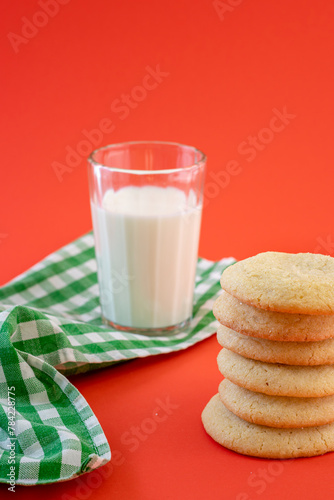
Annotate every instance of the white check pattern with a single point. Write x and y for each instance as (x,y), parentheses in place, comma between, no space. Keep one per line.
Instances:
(50,326)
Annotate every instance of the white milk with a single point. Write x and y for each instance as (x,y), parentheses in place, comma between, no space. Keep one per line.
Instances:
(146,249)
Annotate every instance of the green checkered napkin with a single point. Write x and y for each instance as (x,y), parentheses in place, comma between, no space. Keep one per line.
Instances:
(50,326)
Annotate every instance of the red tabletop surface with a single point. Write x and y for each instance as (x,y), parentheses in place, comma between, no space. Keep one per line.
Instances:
(248,82)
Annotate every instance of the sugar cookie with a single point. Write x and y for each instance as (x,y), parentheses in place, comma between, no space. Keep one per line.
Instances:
(271,351)
(271,325)
(276,411)
(262,441)
(300,283)
(276,379)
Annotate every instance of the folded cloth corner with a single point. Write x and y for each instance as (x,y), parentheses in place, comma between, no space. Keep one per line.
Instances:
(50,326)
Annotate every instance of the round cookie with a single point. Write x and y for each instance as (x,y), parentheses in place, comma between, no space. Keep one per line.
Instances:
(272,351)
(300,283)
(261,441)
(277,379)
(271,325)
(276,411)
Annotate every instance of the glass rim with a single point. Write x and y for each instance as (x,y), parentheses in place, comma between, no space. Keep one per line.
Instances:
(199,163)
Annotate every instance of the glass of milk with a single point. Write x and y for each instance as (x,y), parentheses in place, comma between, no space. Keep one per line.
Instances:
(146,203)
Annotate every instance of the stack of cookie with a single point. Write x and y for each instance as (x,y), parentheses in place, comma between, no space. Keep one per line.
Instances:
(276,315)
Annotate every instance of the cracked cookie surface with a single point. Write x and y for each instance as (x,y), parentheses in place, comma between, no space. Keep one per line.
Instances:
(300,283)
(256,440)
(289,353)
(276,379)
(276,411)
(272,325)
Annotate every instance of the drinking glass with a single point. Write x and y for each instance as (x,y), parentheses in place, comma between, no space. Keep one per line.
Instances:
(146,203)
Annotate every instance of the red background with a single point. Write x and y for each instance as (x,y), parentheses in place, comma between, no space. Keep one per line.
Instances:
(226,68)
